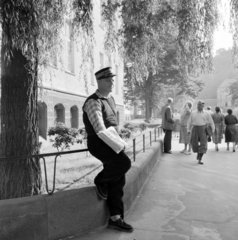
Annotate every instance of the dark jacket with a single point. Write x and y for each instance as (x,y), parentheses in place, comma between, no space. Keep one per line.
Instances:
(167,118)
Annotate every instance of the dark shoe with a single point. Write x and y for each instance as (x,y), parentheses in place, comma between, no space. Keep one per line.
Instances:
(120,225)
(200,162)
(169,152)
(234,150)
(101,192)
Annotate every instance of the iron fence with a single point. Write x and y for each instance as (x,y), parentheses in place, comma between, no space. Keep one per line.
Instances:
(132,151)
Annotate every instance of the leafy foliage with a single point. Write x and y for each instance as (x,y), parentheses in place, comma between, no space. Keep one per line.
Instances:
(132,127)
(34,26)
(125,133)
(83,133)
(143,126)
(64,136)
(192,87)
(129,128)
(233,88)
(193,23)
(197,21)
(234,28)
(223,69)
(164,44)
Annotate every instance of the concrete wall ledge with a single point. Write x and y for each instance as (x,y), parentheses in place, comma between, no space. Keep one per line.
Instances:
(71,213)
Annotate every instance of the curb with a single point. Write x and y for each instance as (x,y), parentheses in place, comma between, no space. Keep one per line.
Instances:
(71,213)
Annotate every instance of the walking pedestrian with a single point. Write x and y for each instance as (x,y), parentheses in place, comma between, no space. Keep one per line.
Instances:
(218,120)
(184,137)
(197,124)
(235,113)
(104,143)
(230,132)
(167,125)
(209,110)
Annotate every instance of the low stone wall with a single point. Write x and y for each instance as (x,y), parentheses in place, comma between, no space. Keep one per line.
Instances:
(70,213)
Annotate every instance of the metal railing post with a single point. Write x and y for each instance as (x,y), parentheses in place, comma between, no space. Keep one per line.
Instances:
(150,138)
(155,134)
(143,142)
(134,149)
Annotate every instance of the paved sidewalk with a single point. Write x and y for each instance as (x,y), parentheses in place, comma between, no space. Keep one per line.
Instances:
(183,200)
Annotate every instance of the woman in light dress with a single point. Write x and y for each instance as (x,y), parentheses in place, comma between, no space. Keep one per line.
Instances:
(184,137)
(218,119)
(176,127)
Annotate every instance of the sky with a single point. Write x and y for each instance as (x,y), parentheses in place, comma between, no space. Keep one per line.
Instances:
(222,36)
(222,39)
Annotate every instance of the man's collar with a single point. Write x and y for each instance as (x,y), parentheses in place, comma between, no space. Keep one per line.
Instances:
(101,96)
(200,111)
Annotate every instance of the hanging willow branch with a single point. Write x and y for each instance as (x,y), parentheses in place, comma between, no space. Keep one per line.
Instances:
(197,21)
(37,25)
(194,22)
(234,29)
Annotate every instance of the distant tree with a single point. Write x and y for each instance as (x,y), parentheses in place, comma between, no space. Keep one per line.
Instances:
(154,88)
(192,87)
(223,69)
(233,89)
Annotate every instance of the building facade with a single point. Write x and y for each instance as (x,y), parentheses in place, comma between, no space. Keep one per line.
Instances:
(70,80)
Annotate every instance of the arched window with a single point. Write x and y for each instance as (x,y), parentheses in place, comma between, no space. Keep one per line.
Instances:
(74,117)
(42,119)
(59,113)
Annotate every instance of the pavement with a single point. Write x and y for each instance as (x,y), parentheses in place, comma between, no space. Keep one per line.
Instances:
(183,200)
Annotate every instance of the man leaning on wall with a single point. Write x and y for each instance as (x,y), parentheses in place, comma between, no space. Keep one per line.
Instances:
(104,143)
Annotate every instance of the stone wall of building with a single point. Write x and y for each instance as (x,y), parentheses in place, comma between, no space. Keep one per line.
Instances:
(67,102)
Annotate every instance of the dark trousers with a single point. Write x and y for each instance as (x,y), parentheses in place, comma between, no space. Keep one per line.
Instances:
(199,139)
(167,140)
(115,167)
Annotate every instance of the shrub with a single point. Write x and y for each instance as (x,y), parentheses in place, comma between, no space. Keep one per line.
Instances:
(143,126)
(83,133)
(131,127)
(125,133)
(64,136)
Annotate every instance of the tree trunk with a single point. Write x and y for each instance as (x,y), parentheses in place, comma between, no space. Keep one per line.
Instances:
(19,126)
(147,108)
(148,96)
